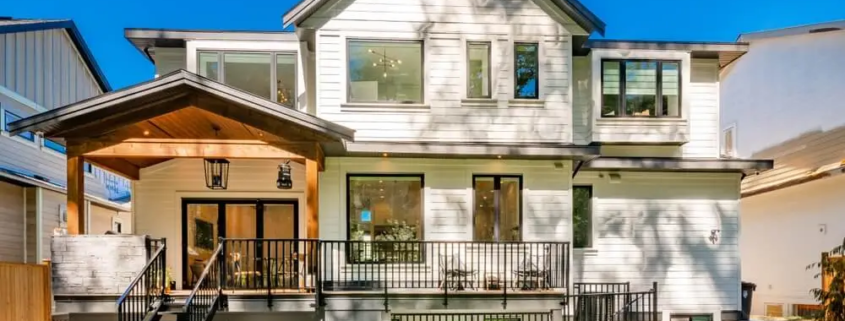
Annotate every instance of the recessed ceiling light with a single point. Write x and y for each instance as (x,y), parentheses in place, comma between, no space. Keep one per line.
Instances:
(384,154)
(146,133)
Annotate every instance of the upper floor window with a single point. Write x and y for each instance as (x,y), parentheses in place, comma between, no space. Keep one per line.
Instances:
(478,70)
(385,71)
(641,88)
(9,117)
(526,71)
(54,146)
(267,74)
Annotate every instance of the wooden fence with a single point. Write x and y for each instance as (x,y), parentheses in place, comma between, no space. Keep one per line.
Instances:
(25,292)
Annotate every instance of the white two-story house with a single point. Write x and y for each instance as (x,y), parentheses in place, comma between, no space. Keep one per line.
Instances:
(45,64)
(790,115)
(421,158)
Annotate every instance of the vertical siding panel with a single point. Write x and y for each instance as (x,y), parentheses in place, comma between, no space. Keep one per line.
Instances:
(40,80)
(10,61)
(30,66)
(3,60)
(20,64)
(48,70)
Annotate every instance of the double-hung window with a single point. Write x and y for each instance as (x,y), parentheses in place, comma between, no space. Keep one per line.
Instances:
(385,208)
(385,72)
(9,117)
(641,88)
(497,208)
(526,71)
(271,75)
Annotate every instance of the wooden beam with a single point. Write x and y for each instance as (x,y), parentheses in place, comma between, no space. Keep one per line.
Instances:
(118,166)
(75,195)
(192,148)
(312,199)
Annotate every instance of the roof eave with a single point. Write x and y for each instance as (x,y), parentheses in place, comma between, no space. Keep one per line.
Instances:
(75,37)
(743,166)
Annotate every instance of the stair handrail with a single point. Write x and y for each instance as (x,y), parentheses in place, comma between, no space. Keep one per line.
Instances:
(154,271)
(210,271)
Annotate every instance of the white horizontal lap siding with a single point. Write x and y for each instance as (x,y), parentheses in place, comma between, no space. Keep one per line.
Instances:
(703,117)
(448,195)
(582,113)
(445,27)
(656,227)
(168,60)
(45,67)
(157,206)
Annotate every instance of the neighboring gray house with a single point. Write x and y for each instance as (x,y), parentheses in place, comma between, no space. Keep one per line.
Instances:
(792,114)
(420,159)
(44,64)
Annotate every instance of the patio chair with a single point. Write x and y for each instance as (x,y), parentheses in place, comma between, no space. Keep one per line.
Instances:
(455,273)
(534,271)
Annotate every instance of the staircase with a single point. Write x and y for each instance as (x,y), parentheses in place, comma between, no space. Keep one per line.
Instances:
(145,296)
(207,296)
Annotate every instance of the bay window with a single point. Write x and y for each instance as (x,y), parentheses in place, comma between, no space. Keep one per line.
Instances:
(270,75)
(641,88)
(384,71)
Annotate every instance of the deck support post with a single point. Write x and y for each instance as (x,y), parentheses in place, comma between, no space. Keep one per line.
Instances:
(76,195)
(312,198)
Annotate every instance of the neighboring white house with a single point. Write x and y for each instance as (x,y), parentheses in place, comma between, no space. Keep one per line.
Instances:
(783,100)
(496,131)
(44,64)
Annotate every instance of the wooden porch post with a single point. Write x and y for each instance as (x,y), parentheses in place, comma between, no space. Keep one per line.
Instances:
(75,195)
(312,199)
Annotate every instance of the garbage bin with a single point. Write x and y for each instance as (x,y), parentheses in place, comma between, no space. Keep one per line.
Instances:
(748,289)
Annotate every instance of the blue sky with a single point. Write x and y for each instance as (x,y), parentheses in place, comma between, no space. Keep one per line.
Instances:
(102,22)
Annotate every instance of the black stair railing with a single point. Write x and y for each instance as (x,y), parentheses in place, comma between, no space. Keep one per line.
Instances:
(206,297)
(147,289)
(606,305)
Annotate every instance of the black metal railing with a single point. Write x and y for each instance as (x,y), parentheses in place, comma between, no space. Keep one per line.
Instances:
(600,287)
(205,298)
(271,264)
(615,306)
(447,267)
(152,245)
(146,289)
(469,316)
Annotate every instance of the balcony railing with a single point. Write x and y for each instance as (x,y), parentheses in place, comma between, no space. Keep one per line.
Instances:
(444,267)
(275,265)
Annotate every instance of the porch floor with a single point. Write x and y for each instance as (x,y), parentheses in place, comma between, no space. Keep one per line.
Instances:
(294,292)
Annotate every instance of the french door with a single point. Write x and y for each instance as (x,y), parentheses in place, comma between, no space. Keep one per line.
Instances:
(204,221)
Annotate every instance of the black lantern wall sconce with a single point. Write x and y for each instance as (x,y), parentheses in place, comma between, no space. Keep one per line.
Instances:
(284,181)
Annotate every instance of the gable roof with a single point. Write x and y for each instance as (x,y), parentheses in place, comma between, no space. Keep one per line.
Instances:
(130,102)
(573,8)
(24,25)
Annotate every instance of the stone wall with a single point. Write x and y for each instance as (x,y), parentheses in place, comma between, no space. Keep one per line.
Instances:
(96,264)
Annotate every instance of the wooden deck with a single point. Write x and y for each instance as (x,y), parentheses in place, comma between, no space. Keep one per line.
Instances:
(430,292)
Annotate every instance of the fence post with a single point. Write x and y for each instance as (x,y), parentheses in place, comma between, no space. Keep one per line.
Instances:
(654,301)
(48,289)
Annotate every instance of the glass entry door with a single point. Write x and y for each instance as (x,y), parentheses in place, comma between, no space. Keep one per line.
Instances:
(247,221)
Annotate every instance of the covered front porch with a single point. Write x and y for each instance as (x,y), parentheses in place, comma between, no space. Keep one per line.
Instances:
(207,161)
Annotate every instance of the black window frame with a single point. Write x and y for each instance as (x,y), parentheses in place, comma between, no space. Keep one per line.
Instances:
(489,45)
(537,75)
(591,223)
(423,87)
(274,77)
(349,177)
(658,103)
(497,185)
(29,136)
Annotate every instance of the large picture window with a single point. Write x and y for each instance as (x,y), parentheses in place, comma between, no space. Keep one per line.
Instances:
(385,71)
(497,208)
(267,74)
(641,88)
(385,208)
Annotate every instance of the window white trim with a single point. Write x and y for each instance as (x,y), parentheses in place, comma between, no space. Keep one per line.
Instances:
(723,141)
